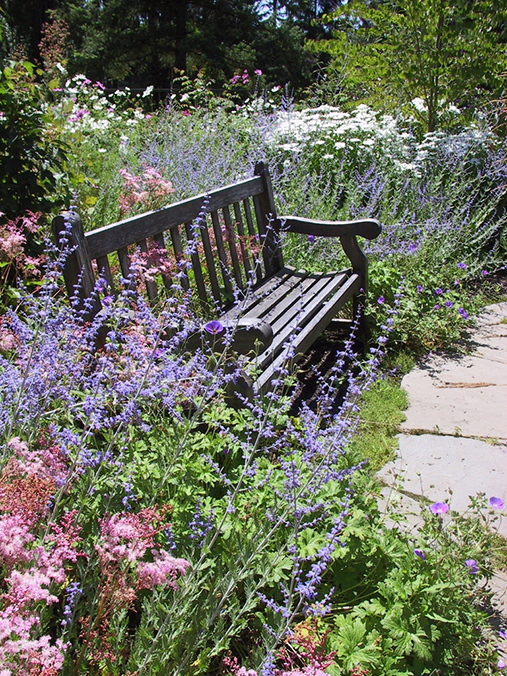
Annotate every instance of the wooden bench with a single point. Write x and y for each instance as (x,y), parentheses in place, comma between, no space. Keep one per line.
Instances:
(237,272)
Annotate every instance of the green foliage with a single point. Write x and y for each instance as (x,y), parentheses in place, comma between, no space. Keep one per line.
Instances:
(438,52)
(405,615)
(32,156)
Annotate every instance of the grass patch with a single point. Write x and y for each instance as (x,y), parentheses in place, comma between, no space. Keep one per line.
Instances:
(381,411)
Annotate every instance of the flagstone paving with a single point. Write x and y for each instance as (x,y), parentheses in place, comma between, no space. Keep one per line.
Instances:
(453,443)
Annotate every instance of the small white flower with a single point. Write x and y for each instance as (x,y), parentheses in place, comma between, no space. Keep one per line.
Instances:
(147,91)
(419,104)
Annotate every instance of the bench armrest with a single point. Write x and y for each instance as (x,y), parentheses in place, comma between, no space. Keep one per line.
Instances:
(247,335)
(368,228)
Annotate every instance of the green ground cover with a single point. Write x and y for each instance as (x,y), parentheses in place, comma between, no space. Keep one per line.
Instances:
(146,526)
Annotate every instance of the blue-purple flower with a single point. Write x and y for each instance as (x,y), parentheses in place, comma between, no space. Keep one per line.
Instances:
(311,238)
(381,300)
(420,554)
(438,291)
(462,266)
(463,313)
(214,327)
(496,503)
(471,565)
(419,288)
(439,508)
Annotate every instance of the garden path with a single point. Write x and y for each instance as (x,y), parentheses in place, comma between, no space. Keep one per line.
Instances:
(453,443)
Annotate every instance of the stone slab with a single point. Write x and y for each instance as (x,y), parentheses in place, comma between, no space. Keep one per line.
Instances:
(449,469)
(465,371)
(466,411)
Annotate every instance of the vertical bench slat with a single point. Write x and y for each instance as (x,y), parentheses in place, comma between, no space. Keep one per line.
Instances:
(151,287)
(178,252)
(253,236)
(265,212)
(196,265)
(105,270)
(210,264)
(231,236)
(242,241)
(221,252)
(162,248)
(124,259)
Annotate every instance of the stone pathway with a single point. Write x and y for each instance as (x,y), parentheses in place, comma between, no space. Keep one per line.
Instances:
(453,444)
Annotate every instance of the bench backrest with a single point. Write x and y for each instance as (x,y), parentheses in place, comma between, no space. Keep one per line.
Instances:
(229,235)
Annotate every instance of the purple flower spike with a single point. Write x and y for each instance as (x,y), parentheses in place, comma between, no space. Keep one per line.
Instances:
(214,327)
(501,664)
(496,503)
(420,554)
(439,508)
(472,566)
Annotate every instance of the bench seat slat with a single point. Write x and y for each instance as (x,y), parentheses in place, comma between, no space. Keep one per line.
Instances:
(265,295)
(309,333)
(298,317)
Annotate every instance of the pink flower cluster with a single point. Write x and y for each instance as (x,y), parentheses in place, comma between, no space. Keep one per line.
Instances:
(148,190)
(13,239)
(127,538)
(32,573)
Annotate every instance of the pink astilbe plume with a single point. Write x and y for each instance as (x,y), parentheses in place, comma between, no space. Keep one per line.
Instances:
(32,573)
(148,190)
(126,537)
(164,570)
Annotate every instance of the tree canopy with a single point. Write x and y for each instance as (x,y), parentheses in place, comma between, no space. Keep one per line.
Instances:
(440,52)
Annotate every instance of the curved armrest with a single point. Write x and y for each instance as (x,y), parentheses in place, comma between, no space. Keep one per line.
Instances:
(368,228)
